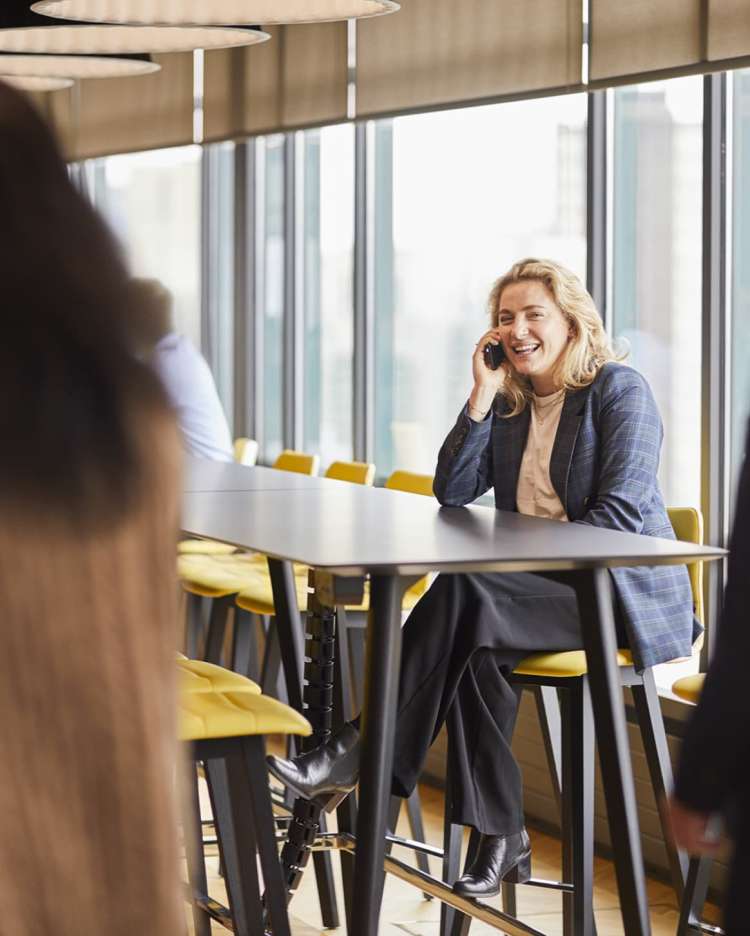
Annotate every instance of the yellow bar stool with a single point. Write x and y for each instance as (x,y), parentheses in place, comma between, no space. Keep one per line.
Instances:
(559,682)
(223,719)
(689,689)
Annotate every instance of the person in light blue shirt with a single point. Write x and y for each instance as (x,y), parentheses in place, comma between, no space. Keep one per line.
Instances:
(183,371)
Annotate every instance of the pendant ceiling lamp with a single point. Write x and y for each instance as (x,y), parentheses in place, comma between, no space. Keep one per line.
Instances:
(208,12)
(36,83)
(84,50)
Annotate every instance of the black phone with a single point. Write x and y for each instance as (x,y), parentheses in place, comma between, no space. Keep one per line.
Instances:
(494,355)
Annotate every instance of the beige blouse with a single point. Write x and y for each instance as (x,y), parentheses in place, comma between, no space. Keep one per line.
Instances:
(535,495)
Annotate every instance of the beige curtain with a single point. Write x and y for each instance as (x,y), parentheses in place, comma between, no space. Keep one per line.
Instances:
(635,37)
(297,79)
(436,52)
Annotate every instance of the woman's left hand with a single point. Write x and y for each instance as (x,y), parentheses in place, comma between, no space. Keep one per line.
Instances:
(690,829)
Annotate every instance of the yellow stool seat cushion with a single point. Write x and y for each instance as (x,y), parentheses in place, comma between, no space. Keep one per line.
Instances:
(568,664)
(212,576)
(204,547)
(257,596)
(199,676)
(689,688)
(210,715)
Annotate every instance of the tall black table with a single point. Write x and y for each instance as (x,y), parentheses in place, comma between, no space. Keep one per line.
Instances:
(348,531)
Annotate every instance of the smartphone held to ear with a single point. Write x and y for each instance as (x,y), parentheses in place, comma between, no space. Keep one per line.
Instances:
(494,355)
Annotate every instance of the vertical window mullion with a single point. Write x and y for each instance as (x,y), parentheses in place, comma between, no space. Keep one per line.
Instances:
(293,327)
(714,376)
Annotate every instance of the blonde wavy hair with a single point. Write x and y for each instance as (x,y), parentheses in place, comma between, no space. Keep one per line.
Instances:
(589,346)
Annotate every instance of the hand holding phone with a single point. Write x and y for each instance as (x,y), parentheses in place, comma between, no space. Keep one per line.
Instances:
(494,355)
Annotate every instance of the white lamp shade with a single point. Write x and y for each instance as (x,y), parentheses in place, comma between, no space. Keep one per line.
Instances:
(35,83)
(218,12)
(75,67)
(122,40)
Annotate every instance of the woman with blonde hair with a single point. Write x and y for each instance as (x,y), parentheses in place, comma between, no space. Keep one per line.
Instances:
(564,431)
(89,483)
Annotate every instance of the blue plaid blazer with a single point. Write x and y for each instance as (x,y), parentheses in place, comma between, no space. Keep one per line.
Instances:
(603,468)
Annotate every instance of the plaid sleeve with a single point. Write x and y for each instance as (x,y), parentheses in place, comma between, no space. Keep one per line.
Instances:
(464,467)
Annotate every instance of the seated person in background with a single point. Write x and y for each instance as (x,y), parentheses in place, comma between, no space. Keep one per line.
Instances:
(561,430)
(183,371)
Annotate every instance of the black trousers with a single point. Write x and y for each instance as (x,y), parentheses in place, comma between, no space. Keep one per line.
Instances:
(460,643)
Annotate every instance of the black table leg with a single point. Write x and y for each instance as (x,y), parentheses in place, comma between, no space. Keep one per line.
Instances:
(383,657)
(594,593)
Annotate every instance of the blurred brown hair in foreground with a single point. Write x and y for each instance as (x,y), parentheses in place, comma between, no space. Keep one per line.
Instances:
(88,520)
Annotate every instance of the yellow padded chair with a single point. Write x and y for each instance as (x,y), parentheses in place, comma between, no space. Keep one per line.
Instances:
(687,523)
(410,482)
(354,472)
(689,688)
(298,462)
(224,719)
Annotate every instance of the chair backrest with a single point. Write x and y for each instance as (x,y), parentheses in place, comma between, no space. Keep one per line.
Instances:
(687,523)
(410,482)
(245,451)
(354,472)
(299,462)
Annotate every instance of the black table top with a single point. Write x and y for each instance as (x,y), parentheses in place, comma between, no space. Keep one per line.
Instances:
(351,530)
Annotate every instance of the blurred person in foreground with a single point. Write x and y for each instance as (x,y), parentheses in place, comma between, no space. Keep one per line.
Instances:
(560,430)
(183,371)
(714,770)
(89,483)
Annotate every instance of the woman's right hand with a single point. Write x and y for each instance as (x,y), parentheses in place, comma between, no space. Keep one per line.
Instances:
(487,382)
(485,377)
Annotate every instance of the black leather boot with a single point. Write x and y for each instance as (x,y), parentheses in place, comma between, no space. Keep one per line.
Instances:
(327,774)
(500,857)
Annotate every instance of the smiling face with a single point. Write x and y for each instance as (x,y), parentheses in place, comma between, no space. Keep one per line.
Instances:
(535,333)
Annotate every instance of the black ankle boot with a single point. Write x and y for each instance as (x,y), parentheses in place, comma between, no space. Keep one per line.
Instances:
(500,857)
(325,775)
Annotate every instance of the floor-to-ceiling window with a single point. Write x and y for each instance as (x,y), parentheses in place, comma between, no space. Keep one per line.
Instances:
(271,192)
(656,281)
(327,204)
(459,196)
(152,201)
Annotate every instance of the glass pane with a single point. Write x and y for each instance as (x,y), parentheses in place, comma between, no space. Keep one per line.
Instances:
(220,304)
(657,262)
(152,201)
(740,406)
(273,304)
(328,291)
(459,196)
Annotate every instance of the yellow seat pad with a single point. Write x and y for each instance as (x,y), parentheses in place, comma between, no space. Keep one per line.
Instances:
(257,597)
(199,676)
(561,665)
(215,576)
(204,547)
(246,575)
(209,715)
(689,688)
